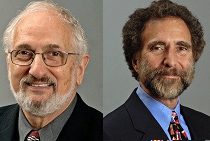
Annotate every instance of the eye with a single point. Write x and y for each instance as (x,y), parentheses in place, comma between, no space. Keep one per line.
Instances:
(182,50)
(157,49)
(54,53)
(23,53)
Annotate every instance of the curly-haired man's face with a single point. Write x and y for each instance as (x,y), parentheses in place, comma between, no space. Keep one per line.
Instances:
(165,64)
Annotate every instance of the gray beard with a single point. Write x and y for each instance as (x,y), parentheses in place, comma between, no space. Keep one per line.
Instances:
(164,88)
(43,108)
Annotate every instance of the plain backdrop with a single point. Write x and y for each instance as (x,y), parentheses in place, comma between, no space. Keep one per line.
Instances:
(89,14)
(117,80)
(107,72)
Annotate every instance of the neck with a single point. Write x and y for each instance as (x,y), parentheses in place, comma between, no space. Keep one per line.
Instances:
(170,103)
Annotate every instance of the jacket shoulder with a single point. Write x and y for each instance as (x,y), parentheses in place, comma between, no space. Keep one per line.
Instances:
(194,114)
(116,117)
(117,125)
(82,108)
(197,121)
(8,116)
(7,110)
(120,117)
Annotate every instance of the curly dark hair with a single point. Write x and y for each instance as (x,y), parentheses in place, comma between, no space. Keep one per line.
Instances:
(132,30)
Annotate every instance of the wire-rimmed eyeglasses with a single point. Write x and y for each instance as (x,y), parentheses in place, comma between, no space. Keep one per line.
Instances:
(51,58)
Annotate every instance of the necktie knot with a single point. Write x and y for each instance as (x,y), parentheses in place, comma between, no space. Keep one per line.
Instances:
(175,130)
(33,136)
(174,118)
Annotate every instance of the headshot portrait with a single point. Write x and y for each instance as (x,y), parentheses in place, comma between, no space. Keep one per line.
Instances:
(157,85)
(50,83)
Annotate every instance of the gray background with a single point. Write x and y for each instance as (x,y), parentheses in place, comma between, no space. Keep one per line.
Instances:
(117,80)
(89,14)
(109,75)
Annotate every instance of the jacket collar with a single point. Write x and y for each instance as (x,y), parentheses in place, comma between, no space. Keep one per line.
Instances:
(142,119)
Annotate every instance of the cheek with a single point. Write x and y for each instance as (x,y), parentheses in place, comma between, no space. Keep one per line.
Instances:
(187,65)
(64,79)
(187,62)
(16,73)
(153,61)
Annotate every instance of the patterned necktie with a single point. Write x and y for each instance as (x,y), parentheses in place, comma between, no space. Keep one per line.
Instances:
(175,130)
(33,136)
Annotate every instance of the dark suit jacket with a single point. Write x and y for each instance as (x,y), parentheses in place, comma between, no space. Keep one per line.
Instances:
(133,122)
(85,124)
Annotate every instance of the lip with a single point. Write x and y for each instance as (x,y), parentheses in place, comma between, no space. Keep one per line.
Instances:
(171,76)
(39,84)
(39,87)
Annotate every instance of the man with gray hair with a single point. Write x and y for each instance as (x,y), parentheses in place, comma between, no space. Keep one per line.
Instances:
(47,57)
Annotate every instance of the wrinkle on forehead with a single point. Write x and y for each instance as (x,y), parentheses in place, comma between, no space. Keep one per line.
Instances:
(163,29)
(40,22)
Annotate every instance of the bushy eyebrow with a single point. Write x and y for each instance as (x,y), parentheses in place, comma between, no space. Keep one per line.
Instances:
(52,46)
(24,46)
(185,44)
(28,47)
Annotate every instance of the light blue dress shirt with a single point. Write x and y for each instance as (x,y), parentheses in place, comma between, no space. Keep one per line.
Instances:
(161,112)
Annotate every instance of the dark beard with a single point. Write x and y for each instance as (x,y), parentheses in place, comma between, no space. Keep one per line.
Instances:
(162,87)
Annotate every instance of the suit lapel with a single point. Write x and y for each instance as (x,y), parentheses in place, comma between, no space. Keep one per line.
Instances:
(9,126)
(69,130)
(142,119)
(76,127)
(189,121)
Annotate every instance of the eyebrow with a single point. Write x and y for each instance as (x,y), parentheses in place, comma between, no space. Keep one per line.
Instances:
(52,46)
(27,46)
(23,46)
(183,43)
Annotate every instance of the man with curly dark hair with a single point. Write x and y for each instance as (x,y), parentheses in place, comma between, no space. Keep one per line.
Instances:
(161,45)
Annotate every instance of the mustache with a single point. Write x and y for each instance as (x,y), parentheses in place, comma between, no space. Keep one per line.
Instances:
(30,79)
(170,72)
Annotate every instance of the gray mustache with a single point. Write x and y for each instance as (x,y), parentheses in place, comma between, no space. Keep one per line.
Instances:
(31,79)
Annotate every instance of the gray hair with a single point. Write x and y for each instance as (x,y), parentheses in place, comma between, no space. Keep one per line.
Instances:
(79,40)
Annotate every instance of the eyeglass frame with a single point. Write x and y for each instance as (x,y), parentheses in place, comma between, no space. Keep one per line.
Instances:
(42,54)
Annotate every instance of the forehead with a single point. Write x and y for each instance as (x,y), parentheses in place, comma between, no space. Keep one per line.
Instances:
(41,28)
(166,29)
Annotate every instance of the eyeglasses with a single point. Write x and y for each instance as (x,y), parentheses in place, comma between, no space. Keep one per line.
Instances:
(51,58)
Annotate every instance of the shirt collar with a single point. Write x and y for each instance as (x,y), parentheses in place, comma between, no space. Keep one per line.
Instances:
(160,112)
(23,125)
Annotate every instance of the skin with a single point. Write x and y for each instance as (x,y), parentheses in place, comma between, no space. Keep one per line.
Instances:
(167,44)
(38,30)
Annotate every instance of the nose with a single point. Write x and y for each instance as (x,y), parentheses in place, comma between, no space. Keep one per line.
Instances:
(38,68)
(170,59)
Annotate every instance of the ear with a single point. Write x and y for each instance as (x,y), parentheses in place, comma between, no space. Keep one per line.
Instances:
(135,62)
(81,68)
(8,60)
